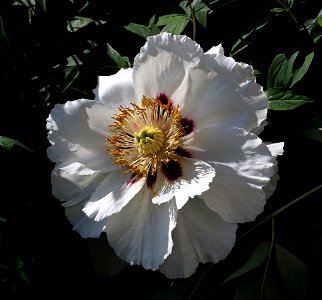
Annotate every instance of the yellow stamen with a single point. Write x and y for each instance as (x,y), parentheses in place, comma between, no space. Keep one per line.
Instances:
(149,140)
(145,136)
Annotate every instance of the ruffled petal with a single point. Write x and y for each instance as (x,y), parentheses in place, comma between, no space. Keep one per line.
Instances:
(236,198)
(85,226)
(276,149)
(195,179)
(200,236)
(73,186)
(162,63)
(116,89)
(76,134)
(114,192)
(74,183)
(243,164)
(141,232)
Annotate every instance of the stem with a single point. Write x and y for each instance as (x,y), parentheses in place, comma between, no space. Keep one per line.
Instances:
(194,22)
(280,210)
(288,9)
(240,49)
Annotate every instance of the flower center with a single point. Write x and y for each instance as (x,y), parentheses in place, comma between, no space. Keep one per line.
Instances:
(146,138)
(149,140)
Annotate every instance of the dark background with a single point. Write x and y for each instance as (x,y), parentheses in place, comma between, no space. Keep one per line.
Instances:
(40,255)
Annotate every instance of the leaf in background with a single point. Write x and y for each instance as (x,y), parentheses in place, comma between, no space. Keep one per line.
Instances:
(122,61)
(277,72)
(257,258)
(248,289)
(21,269)
(78,22)
(299,73)
(153,27)
(282,99)
(139,29)
(293,273)
(289,71)
(11,144)
(315,132)
(173,23)
(201,12)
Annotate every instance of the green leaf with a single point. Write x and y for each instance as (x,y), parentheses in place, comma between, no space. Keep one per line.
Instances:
(282,99)
(299,73)
(21,269)
(275,79)
(257,258)
(289,71)
(11,144)
(201,12)
(278,9)
(173,23)
(78,22)
(139,29)
(293,273)
(315,132)
(122,61)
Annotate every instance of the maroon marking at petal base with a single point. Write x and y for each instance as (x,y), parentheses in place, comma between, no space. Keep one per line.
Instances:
(132,180)
(183,153)
(163,98)
(172,170)
(188,125)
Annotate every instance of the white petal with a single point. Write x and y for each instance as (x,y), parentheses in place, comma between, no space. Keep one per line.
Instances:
(236,198)
(195,179)
(74,132)
(275,149)
(212,94)
(162,62)
(200,236)
(116,89)
(112,195)
(141,232)
(74,183)
(84,225)
(243,164)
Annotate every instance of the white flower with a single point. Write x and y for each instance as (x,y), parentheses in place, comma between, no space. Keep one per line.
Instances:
(165,160)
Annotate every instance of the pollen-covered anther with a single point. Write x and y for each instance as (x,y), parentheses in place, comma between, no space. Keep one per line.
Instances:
(149,140)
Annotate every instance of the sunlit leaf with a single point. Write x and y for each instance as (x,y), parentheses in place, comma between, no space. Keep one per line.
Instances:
(299,73)
(293,273)
(122,61)
(139,29)
(173,23)
(11,144)
(201,12)
(257,258)
(282,99)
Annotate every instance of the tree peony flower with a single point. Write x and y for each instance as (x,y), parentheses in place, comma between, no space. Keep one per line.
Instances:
(165,160)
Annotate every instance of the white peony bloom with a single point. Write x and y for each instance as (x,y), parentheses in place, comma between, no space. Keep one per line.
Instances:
(165,160)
